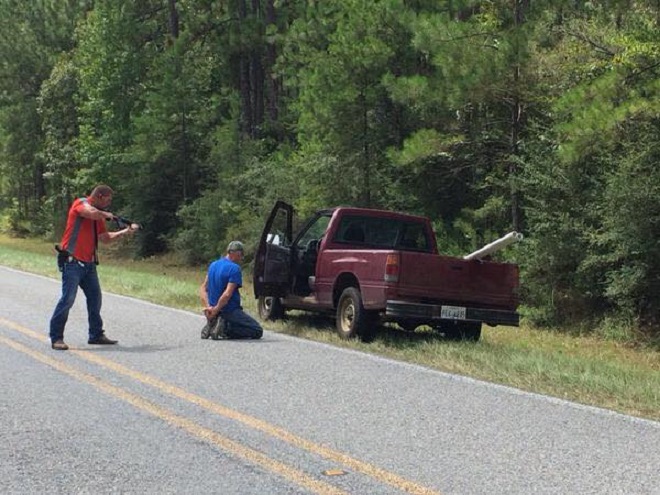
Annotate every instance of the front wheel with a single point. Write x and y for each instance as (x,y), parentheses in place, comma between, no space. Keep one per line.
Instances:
(270,308)
(352,319)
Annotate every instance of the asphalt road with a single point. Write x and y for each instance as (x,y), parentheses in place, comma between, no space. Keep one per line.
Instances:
(166,412)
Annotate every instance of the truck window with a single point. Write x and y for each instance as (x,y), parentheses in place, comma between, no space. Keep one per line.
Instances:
(277,234)
(413,237)
(383,233)
(315,231)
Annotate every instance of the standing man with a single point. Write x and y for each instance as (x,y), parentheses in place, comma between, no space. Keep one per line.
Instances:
(222,301)
(85,226)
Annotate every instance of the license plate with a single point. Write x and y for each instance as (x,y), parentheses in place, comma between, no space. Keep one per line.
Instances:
(452,312)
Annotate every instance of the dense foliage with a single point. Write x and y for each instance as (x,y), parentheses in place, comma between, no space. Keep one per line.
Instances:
(487,116)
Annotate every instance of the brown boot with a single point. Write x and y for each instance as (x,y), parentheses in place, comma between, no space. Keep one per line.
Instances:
(59,345)
(102,340)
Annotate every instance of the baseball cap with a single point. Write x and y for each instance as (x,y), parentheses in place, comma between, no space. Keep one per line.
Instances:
(235,246)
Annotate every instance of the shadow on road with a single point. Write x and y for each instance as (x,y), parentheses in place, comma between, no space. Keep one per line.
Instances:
(136,348)
(390,333)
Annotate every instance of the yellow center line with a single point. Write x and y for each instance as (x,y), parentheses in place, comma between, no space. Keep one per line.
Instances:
(205,434)
(356,465)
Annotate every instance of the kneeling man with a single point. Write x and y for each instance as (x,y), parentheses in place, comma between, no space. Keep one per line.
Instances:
(222,300)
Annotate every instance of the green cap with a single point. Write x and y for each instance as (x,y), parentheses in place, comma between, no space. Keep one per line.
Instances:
(235,246)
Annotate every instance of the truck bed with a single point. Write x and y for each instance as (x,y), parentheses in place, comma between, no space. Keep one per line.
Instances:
(432,278)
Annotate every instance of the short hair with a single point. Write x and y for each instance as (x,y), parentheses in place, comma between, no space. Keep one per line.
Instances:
(235,246)
(102,190)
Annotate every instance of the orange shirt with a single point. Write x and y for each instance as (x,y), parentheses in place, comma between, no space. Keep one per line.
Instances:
(78,236)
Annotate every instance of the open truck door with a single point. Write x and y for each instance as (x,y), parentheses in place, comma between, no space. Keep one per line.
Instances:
(272,266)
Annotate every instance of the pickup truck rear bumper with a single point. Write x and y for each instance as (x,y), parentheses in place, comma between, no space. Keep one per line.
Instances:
(433,312)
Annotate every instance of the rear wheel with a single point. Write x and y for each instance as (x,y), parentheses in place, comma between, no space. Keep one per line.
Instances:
(462,330)
(270,308)
(352,319)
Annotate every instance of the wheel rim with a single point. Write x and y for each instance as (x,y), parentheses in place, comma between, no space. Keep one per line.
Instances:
(265,307)
(347,315)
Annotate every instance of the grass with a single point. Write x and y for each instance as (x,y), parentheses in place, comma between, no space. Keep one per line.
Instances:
(585,369)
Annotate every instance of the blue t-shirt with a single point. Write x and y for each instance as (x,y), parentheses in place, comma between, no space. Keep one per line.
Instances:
(221,272)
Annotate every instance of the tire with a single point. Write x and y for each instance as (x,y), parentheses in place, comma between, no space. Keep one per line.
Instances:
(270,308)
(462,330)
(352,319)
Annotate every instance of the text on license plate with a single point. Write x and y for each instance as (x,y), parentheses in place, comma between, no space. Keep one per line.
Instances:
(452,312)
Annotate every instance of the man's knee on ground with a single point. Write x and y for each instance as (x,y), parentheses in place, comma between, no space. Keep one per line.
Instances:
(238,331)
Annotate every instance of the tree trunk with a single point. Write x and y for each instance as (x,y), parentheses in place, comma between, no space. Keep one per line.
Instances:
(517,117)
(257,83)
(366,152)
(174,19)
(271,83)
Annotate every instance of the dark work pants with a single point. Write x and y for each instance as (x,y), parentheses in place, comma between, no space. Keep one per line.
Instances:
(78,274)
(241,325)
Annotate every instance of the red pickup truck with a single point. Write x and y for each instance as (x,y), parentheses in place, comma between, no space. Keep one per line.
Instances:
(367,266)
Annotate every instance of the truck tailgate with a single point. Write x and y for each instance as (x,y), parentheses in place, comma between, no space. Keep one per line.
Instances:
(432,278)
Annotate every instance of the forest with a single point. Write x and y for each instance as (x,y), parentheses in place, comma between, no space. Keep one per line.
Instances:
(487,116)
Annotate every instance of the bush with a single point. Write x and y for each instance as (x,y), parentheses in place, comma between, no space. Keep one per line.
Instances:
(203,228)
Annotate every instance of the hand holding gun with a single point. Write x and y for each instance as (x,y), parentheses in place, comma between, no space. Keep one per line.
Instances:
(123,223)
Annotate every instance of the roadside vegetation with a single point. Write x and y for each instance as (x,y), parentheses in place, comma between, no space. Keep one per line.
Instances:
(614,373)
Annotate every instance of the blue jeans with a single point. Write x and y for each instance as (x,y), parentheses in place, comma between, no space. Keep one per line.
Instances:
(77,274)
(240,325)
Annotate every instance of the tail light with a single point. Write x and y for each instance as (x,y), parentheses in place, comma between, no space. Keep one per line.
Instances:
(392,268)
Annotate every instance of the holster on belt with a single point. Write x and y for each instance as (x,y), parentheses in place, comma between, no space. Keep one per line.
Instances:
(62,257)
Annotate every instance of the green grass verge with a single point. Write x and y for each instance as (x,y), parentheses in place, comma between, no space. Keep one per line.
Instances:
(584,369)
